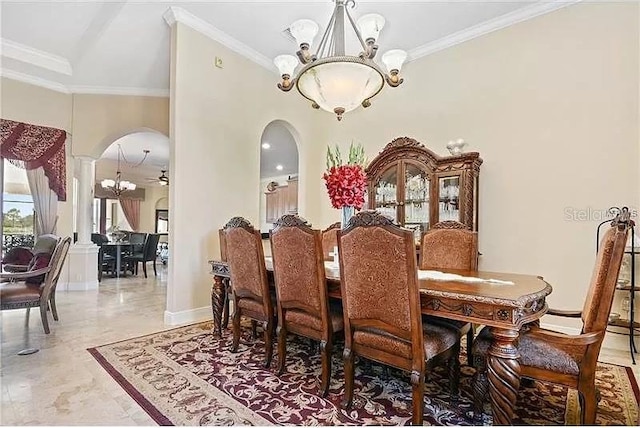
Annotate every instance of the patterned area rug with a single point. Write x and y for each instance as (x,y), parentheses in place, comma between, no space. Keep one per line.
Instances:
(185,376)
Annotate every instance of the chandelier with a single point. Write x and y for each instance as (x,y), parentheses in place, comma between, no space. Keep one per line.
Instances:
(331,79)
(119,186)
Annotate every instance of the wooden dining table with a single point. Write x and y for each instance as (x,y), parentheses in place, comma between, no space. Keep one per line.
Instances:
(505,308)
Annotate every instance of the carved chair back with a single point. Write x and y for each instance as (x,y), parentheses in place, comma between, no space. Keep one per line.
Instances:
(298,268)
(380,292)
(597,305)
(57,261)
(449,245)
(245,258)
(330,239)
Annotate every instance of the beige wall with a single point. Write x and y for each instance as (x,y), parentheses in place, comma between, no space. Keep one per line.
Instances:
(217,119)
(153,195)
(551,104)
(98,120)
(94,122)
(39,106)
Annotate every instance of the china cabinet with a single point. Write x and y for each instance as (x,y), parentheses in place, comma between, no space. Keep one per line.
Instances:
(418,188)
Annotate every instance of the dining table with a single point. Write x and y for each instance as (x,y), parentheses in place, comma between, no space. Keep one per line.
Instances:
(119,246)
(505,302)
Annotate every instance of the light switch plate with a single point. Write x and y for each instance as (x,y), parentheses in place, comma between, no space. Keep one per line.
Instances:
(218,62)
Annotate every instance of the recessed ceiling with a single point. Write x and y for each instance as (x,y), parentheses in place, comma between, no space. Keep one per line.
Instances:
(115,47)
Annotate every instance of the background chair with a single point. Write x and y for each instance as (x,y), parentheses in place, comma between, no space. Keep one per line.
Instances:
(330,240)
(251,297)
(450,245)
(381,301)
(568,360)
(106,256)
(26,291)
(17,259)
(301,289)
(149,254)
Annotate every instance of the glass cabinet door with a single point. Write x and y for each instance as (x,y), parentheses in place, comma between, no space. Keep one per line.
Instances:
(386,193)
(449,201)
(416,197)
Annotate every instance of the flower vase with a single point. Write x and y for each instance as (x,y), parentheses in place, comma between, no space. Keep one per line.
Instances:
(347,213)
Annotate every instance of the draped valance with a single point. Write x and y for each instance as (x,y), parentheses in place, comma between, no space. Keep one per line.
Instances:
(32,146)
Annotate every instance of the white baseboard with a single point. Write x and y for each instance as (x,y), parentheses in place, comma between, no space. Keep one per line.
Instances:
(618,342)
(188,316)
(81,286)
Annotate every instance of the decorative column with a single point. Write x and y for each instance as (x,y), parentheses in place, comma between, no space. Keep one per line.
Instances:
(83,255)
(86,183)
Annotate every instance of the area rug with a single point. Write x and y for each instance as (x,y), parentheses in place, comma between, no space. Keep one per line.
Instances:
(186,376)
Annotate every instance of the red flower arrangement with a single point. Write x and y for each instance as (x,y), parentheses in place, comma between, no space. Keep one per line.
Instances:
(346,183)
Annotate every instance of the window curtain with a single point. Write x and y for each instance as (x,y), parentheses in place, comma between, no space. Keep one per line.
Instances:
(131,210)
(31,147)
(45,201)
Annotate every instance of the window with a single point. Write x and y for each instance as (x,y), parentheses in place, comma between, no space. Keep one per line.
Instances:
(18,217)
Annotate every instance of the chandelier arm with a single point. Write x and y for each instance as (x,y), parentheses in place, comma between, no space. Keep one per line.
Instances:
(355,27)
(327,35)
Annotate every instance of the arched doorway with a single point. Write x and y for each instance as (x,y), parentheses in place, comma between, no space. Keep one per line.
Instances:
(141,157)
(279,171)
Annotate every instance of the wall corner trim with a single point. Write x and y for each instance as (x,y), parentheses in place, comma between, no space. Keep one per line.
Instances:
(523,14)
(177,14)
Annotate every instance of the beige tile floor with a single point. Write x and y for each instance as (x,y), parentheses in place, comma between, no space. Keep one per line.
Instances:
(62,384)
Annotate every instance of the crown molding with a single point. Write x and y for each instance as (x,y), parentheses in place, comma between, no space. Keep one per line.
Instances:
(540,8)
(74,89)
(33,80)
(29,55)
(110,90)
(177,14)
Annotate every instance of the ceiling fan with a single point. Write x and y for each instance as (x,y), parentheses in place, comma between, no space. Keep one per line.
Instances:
(162,180)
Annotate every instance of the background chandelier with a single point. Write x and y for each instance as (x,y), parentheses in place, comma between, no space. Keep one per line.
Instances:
(118,186)
(330,79)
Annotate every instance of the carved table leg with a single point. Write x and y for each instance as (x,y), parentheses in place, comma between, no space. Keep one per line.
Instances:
(504,375)
(218,292)
(225,312)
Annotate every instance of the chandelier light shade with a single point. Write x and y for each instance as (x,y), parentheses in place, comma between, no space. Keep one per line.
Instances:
(119,186)
(331,79)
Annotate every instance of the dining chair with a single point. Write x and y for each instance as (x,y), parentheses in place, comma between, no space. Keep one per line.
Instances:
(330,240)
(28,290)
(381,303)
(301,289)
(149,254)
(450,245)
(251,297)
(564,359)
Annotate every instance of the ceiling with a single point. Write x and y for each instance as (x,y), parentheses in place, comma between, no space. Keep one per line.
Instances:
(282,151)
(123,46)
(132,145)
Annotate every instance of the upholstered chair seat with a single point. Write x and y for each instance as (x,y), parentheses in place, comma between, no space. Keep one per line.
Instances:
(303,302)
(535,352)
(37,286)
(558,358)
(315,322)
(437,339)
(381,302)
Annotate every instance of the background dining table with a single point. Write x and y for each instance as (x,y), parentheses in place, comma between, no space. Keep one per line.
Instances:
(118,249)
(506,305)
